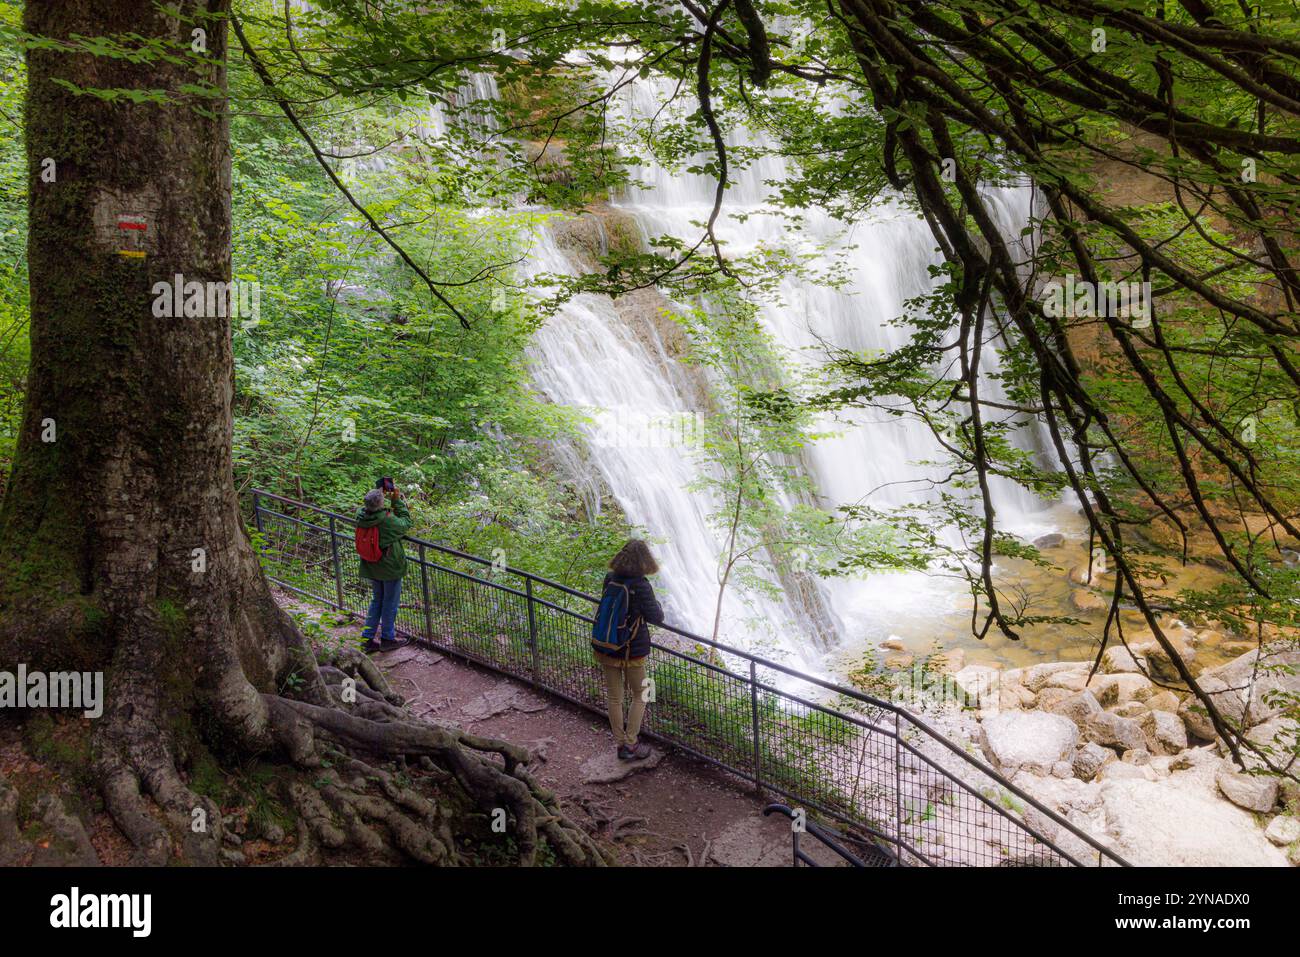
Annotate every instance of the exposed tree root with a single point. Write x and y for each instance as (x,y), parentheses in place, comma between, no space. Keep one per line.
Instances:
(364,777)
(314,736)
(64,841)
(12,845)
(360,775)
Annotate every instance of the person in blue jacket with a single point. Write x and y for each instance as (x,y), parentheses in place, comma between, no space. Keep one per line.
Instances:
(625,670)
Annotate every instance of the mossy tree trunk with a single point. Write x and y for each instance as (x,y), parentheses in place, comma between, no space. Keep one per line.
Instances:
(121,544)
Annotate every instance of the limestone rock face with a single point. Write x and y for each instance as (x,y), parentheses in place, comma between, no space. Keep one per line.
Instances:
(1165,802)
(1179,820)
(1033,740)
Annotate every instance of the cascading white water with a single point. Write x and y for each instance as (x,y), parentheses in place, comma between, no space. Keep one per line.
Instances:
(610,360)
(596,357)
(612,363)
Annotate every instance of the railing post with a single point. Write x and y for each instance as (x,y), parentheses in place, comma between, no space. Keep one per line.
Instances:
(338,567)
(898,791)
(753,715)
(533,650)
(424,590)
(257,511)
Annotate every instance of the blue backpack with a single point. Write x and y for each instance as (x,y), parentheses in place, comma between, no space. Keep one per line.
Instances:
(611,632)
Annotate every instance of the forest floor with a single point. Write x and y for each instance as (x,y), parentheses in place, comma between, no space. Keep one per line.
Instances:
(671,810)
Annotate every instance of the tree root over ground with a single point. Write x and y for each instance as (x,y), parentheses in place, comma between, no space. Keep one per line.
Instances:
(362,777)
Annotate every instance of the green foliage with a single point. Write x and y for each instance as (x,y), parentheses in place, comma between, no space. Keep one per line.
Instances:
(352,370)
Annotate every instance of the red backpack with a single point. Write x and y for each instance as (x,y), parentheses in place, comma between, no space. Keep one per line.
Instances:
(368,544)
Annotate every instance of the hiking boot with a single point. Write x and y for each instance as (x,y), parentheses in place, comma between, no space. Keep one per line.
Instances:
(638,752)
(372,645)
(624,753)
(388,644)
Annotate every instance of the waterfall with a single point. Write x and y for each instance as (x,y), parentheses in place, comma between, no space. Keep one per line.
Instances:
(612,358)
(618,362)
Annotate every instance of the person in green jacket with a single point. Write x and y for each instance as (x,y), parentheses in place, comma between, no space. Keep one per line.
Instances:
(386,574)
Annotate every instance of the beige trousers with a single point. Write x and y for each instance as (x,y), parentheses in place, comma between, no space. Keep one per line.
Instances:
(630,677)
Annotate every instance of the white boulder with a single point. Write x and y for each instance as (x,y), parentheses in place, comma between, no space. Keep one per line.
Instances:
(1165,731)
(1121,688)
(1254,792)
(1117,659)
(1179,823)
(1090,759)
(1239,689)
(1038,677)
(1125,771)
(1032,740)
(1078,707)
(979,682)
(1113,731)
(1283,830)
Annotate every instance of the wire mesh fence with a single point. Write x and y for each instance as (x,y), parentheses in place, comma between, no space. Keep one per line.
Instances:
(862,761)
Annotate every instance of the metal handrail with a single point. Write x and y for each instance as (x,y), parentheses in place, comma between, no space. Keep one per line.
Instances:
(897,732)
(829,839)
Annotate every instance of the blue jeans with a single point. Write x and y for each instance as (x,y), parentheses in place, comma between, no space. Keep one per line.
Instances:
(383,607)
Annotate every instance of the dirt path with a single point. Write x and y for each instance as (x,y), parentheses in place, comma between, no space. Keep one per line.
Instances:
(675,810)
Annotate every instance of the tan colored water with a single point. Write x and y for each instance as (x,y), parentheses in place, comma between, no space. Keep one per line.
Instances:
(1048,593)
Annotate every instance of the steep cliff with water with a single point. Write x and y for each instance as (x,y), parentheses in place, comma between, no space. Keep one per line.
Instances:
(621,360)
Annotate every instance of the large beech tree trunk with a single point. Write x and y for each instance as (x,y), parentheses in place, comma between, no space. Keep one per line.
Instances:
(123,472)
(123,467)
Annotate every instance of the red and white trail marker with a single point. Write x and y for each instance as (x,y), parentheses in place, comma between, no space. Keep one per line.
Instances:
(132,230)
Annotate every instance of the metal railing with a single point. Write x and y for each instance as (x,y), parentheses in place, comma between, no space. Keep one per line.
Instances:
(860,760)
(874,855)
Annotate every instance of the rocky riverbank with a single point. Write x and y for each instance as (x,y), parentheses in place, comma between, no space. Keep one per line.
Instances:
(1137,765)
